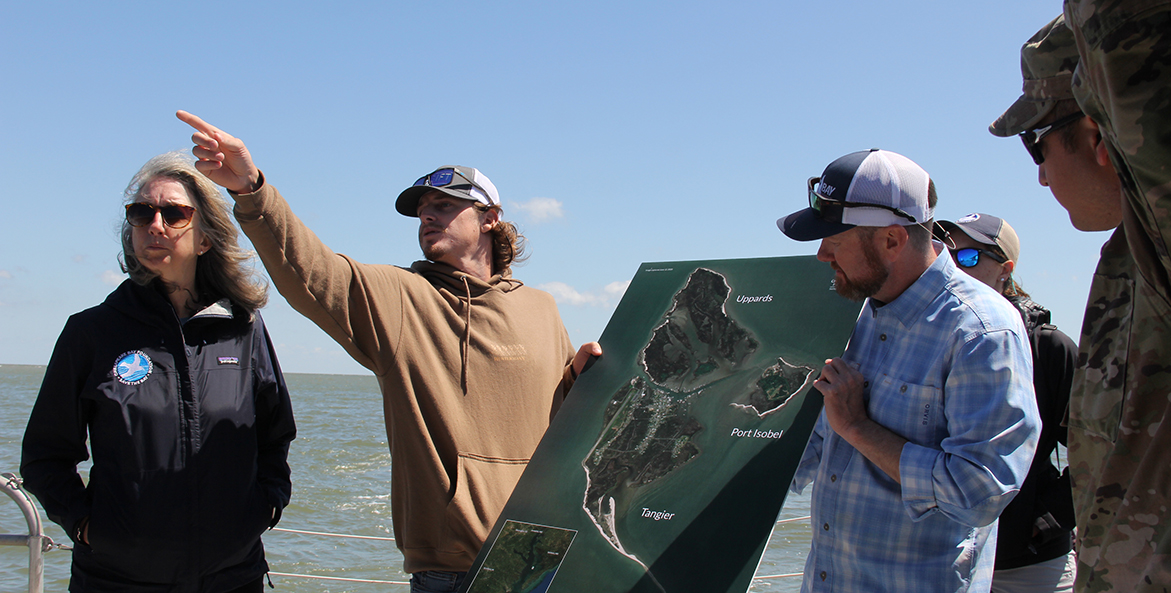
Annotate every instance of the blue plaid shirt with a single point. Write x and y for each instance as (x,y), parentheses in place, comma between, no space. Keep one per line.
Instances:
(947,366)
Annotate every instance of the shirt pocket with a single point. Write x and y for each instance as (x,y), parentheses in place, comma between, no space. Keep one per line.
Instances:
(912,411)
(1099,382)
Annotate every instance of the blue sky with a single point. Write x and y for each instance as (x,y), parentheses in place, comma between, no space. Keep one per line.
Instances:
(617,132)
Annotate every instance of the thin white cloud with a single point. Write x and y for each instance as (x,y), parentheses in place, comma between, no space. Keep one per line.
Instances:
(5,274)
(541,209)
(79,258)
(617,289)
(112,278)
(568,295)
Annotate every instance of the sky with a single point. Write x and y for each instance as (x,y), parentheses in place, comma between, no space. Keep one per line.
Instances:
(616,132)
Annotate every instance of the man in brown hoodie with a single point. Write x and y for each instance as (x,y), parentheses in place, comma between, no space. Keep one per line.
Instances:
(472,364)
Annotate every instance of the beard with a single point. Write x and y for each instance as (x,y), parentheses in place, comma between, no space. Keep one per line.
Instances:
(869,282)
(434,252)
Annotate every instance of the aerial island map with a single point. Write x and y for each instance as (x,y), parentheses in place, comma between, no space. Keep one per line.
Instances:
(668,463)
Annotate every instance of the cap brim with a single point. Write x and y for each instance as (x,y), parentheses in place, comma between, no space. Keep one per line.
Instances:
(1020,116)
(807,225)
(407,203)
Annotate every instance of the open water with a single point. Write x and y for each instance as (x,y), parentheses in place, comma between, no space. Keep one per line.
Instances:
(341,476)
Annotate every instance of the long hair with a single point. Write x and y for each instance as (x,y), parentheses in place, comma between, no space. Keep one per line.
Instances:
(224,269)
(1011,287)
(508,244)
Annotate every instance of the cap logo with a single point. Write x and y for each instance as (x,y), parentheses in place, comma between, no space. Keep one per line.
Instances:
(968,218)
(133,367)
(827,190)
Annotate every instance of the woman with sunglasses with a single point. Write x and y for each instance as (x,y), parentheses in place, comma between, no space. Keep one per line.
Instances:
(1033,549)
(175,384)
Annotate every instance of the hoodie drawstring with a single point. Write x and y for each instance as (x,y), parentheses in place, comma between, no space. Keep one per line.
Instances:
(463,379)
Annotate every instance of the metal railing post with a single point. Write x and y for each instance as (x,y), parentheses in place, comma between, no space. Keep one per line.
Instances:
(35,539)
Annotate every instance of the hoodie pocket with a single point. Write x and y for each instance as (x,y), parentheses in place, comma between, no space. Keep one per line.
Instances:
(482,488)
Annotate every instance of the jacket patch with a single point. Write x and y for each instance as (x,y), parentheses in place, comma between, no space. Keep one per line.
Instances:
(133,367)
(228,360)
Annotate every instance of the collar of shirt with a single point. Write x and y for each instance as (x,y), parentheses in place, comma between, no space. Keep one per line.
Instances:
(909,306)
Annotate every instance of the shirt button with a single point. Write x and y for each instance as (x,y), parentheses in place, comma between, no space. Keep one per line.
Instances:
(903,389)
(823,575)
(882,337)
(825,527)
(866,383)
(833,478)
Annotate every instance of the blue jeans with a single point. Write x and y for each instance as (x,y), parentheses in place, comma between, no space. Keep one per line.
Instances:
(436,581)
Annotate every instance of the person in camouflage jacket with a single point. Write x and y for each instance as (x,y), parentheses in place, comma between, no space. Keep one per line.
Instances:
(1120,448)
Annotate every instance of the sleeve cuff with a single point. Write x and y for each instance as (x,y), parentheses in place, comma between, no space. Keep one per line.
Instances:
(248,204)
(916,465)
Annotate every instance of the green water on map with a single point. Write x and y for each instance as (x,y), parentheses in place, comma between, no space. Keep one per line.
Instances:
(341,476)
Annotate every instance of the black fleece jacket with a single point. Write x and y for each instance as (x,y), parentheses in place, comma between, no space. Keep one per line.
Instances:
(189,425)
(1045,500)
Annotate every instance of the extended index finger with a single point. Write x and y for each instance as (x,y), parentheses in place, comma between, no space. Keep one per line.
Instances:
(196,122)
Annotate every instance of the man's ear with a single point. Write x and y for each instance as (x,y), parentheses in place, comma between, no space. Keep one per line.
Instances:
(490,220)
(891,240)
(1101,155)
(1097,143)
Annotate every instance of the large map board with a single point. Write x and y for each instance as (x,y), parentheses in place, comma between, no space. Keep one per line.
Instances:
(667,465)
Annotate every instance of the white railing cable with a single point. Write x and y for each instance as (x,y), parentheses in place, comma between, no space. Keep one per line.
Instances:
(793,519)
(326,578)
(779,576)
(323,578)
(373,537)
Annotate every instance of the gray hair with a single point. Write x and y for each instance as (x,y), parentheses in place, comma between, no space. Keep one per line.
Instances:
(223,270)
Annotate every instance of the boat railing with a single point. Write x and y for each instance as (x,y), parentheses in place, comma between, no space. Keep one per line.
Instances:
(37,542)
(391,539)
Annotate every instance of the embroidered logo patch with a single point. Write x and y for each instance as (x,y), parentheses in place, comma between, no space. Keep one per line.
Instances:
(228,360)
(133,367)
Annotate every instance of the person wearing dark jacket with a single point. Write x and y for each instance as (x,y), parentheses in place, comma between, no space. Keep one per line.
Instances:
(1033,547)
(175,383)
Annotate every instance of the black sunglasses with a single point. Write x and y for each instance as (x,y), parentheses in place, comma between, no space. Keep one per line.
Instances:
(828,207)
(1032,138)
(969,257)
(176,216)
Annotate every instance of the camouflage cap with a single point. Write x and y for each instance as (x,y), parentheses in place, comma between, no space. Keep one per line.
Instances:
(1048,60)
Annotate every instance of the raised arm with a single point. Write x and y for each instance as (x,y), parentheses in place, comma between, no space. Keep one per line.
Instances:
(339,295)
(222,156)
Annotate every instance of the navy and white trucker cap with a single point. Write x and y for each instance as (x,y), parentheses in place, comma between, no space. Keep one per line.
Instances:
(868,188)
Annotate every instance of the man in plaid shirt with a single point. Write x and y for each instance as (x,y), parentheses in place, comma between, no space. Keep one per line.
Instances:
(930,422)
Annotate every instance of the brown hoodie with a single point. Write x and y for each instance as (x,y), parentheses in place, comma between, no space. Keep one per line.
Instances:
(471,372)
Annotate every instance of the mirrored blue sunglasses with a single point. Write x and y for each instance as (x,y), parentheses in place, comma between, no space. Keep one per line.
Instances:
(969,257)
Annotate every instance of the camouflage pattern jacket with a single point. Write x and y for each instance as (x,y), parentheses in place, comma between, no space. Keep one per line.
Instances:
(1119,436)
